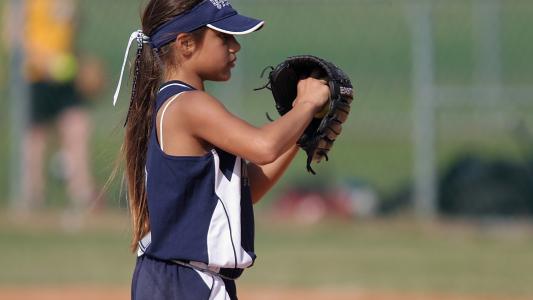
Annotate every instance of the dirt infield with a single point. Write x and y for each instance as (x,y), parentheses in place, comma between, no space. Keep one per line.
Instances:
(88,293)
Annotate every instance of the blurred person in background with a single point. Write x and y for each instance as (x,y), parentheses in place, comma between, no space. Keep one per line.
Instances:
(59,84)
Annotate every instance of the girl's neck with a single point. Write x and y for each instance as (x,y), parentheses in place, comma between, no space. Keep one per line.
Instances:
(191,79)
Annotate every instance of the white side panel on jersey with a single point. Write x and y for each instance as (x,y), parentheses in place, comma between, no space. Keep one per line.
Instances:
(224,235)
(219,239)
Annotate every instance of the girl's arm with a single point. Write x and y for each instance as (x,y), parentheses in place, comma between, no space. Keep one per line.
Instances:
(263,177)
(205,118)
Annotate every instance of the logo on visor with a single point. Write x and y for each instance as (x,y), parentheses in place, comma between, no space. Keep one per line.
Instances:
(220,3)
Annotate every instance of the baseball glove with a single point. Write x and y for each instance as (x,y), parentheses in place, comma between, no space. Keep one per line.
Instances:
(319,136)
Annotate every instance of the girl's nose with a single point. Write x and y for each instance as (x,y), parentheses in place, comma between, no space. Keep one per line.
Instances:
(234,45)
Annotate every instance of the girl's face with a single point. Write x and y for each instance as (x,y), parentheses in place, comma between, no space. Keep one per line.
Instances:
(216,55)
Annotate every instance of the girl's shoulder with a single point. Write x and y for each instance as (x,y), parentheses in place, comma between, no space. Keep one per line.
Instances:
(172,88)
(196,100)
(191,106)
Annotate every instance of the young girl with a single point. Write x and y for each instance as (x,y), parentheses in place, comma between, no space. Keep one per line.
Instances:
(193,168)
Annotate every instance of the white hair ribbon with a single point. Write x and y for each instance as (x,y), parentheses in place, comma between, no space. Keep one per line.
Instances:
(141,39)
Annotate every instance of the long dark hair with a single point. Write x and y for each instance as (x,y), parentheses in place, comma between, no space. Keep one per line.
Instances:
(149,70)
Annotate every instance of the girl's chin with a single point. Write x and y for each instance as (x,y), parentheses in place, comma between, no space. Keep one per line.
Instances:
(224,76)
(221,76)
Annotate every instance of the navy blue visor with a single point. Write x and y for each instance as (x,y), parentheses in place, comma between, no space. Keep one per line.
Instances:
(215,14)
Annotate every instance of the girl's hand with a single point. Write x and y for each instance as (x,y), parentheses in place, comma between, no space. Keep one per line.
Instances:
(313,92)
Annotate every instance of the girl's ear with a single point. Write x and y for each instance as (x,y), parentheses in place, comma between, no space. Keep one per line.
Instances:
(185,44)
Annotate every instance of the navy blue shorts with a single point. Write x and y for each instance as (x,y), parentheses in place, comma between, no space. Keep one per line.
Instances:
(155,279)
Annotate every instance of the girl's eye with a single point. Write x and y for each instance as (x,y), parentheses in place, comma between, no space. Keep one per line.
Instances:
(224,37)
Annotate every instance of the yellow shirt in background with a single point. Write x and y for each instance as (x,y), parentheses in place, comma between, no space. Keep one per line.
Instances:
(49,40)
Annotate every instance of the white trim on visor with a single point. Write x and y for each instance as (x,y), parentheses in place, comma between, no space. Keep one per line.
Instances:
(237,32)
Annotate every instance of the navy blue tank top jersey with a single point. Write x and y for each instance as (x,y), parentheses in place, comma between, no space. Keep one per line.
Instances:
(200,207)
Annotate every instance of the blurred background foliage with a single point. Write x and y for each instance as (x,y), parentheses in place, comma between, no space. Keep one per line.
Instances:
(371,41)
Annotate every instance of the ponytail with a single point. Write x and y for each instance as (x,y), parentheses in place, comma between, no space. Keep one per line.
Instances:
(138,127)
(148,74)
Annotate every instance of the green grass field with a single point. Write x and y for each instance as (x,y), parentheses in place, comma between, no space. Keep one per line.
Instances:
(392,255)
